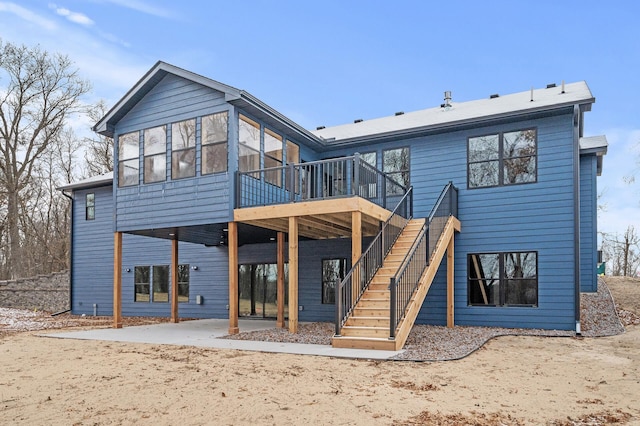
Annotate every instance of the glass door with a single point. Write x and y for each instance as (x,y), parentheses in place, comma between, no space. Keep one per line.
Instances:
(258,290)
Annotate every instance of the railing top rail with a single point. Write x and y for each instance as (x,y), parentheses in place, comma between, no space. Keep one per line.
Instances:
(443,194)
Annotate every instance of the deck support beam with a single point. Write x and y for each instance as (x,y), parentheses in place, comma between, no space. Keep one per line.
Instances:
(450,283)
(280,281)
(117,280)
(174,281)
(356,251)
(233,277)
(293,274)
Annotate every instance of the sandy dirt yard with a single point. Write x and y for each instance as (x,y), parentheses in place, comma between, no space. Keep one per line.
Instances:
(511,380)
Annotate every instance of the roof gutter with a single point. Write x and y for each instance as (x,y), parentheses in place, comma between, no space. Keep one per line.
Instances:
(70,250)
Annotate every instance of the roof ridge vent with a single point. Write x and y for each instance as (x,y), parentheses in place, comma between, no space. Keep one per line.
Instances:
(359,120)
(551,85)
(399,113)
(495,95)
(320,127)
(447,101)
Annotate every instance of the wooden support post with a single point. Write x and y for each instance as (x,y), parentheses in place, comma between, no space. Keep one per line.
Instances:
(280,281)
(450,283)
(293,274)
(174,281)
(356,251)
(117,280)
(233,278)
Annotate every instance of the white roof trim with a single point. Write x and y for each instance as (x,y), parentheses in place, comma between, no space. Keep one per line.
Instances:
(92,182)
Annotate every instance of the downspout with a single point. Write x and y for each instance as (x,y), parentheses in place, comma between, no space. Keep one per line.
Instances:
(70,252)
(577,127)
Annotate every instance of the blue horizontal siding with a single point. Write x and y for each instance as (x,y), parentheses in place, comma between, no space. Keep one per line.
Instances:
(588,224)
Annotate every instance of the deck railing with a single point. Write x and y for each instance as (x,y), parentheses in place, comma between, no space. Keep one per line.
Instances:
(316,180)
(404,283)
(352,287)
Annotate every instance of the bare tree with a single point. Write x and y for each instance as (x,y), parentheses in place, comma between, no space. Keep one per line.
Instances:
(622,253)
(99,149)
(42,91)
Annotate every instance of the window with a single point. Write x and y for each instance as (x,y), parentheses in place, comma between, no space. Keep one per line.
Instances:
(273,157)
(128,155)
(368,178)
(183,149)
(503,279)
(370,158)
(214,142)
(395,163)
(161,279)
(183,283)
(161,283)
(293,157)
(249,147)
(155,154)
(141,284)
(90,206)
(502,159)
(333,271)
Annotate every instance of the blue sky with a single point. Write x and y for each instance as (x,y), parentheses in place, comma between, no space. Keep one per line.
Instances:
(332,61)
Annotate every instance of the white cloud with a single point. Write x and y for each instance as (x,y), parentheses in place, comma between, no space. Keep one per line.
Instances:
(27,15)
(144,7)
(78,18)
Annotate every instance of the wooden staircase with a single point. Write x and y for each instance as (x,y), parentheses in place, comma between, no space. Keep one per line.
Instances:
(368,325)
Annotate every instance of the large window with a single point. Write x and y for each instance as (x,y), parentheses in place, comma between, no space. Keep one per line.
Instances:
(128,159)
(90,206)
(503,279)
(249,144)
(333,271)
(273,157)
(502,159)
(152,283)
(183,149)
(214,142)
(395,163)
(155,154)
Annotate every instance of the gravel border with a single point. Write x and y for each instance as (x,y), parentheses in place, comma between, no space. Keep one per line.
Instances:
(437,343)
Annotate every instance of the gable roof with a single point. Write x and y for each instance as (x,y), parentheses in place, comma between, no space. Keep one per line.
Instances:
(234,96)
(461,113)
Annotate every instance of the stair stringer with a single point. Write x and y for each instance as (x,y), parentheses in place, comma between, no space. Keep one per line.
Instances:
(413,308)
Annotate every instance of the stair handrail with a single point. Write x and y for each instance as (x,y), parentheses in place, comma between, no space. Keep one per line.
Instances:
(403,284)
(349,290)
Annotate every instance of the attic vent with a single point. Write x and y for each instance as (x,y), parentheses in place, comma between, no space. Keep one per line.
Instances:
(359,120)
(320,127)
(551,85)
(447,100)
(495,95)
(399,113)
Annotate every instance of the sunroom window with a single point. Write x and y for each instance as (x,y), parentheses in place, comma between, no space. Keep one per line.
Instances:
(273,157)
(249,144)
(128,159)
(155,154)
(183,149)
(214,142)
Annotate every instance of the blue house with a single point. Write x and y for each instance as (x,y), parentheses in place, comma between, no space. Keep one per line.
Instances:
(474,213)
